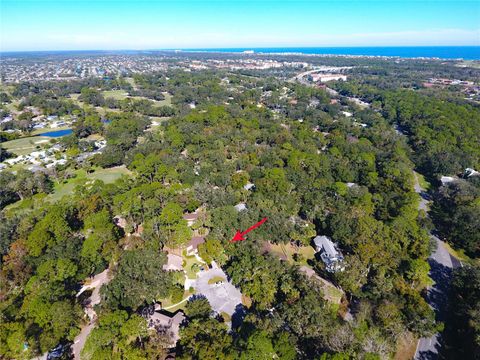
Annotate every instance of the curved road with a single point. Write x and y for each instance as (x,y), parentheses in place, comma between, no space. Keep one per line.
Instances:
(96,284)
(441,267)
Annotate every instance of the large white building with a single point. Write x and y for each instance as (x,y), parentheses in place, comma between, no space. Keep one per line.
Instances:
(327,77)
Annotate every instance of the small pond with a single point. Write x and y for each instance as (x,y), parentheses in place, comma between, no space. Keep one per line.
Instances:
(57,133)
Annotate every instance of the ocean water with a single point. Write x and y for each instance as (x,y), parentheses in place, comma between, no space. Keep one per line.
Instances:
(442,52)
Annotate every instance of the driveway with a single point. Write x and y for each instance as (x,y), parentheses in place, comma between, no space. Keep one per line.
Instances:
(222,297)
(96,283)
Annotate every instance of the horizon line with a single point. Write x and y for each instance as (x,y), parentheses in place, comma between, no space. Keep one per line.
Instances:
(244,47)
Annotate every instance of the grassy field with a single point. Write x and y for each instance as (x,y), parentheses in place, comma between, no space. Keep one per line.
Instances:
(469,63)
(166,101)
(216,279)
(191,265)
(120,95)
(106,175)
(25,205)
(26,145)
(131,82)
(116,94)
(167,303)
(286,251)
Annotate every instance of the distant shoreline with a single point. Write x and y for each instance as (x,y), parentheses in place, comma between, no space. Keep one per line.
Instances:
(402,52)
(451,53)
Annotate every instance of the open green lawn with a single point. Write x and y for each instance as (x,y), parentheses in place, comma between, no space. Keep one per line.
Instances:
(106,175)
(286,251)
(469,63)
(166,101)
(216,279)
(116,94)
(131,81)
(191,265)
(156,121)
(26,145)
(63,189)
(120,95)
(25,205)
(167,303)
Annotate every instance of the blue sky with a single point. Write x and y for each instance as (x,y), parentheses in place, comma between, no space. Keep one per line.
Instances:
(129,24)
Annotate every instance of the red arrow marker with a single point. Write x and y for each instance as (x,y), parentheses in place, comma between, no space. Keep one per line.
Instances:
(239,235)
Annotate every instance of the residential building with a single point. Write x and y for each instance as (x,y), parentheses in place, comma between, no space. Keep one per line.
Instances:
(331,257)
(190,218)
(174,263)
(192,246)
(249,186)
(471,172)
(240,207)
(166,323)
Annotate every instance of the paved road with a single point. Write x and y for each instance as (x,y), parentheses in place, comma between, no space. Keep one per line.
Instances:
(223,297)
(96,283)
(441,267)
(420,191)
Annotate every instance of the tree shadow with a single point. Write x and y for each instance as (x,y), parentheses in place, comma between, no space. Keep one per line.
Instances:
(238,316)
(437,295)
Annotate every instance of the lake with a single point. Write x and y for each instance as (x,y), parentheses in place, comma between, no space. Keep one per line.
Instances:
(57,133)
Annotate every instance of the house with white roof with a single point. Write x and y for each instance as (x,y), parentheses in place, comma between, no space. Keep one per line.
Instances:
(447,179)
(249,186)
(330,255)
(471,172)
(240,207)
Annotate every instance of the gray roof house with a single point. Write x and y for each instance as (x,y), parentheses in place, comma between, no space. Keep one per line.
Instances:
(330,255)
(167,323)
(174,263)
(192,246)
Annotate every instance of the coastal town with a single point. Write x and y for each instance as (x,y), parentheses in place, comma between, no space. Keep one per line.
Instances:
(186,205)
(17,69)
